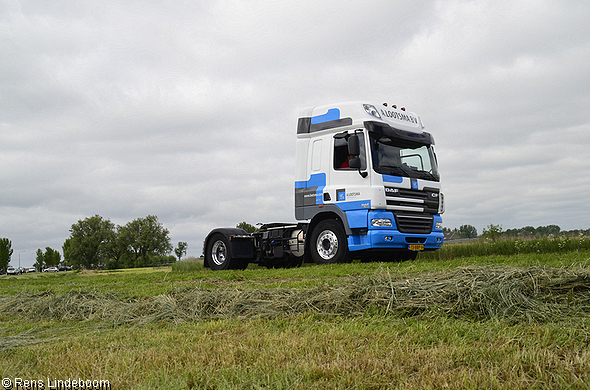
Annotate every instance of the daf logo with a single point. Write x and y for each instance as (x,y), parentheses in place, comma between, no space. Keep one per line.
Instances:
(391,190)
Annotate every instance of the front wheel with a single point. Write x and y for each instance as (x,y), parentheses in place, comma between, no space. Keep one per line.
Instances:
(328,243)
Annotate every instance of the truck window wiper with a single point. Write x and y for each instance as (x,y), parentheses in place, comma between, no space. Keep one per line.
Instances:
(393,170)
(429,175)
(406,172)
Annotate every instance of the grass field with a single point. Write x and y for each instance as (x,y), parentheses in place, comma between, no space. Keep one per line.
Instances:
(509,322)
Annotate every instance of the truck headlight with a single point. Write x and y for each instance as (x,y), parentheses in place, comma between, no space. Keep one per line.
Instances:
(438,226)
(441,205)
(370,109)
(381,222)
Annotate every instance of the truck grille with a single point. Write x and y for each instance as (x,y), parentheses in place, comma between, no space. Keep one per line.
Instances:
(425,201)
(414,223)
(413,209)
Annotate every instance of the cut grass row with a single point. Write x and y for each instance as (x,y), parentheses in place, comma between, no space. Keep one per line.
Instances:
(532,294)
(154,281)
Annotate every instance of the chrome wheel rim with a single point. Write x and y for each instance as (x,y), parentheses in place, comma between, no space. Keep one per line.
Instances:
(327,244)
(218,252)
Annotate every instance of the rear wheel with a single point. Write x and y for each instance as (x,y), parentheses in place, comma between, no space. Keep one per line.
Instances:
(218,255)
(328,243)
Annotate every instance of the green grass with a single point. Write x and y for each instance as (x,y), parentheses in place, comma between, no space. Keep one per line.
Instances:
(308,352)
(137,328)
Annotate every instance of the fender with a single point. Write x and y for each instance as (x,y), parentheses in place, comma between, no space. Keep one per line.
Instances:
(311,212)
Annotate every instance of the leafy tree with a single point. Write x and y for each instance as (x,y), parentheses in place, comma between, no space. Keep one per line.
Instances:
(40,260)
(50,258)
(180,249)
(144,237)
(5,252)
(89,242)
(119,250)
(64,249)
(467,231)
(247,227)
(492,232)
(96,240)
(548,230)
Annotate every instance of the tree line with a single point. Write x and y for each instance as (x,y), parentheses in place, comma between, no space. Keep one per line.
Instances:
(97,242)
(493,231)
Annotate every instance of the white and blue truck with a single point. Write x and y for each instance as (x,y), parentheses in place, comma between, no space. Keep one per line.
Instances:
(367,187)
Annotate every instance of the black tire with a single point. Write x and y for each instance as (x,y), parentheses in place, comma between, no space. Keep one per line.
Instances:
(217,253)
(328,244)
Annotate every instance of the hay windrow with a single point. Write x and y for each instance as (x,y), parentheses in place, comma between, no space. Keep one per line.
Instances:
(478,293)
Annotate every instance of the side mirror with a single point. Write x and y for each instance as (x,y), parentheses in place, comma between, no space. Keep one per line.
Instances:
(354,163)
(354,148)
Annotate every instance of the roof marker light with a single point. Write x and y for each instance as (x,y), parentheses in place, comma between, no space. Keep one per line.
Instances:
(394,106)
(403,109)
(385,104)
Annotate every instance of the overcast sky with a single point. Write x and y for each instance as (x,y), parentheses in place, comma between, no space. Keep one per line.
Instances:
(188,110)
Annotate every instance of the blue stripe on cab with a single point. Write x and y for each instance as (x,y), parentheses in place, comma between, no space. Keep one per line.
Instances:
(315,180)
(332,115)
(392,179)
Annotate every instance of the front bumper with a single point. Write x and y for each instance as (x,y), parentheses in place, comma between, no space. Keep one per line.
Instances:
(381,237)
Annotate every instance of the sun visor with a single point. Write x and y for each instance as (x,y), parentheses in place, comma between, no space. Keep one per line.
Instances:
(386,130)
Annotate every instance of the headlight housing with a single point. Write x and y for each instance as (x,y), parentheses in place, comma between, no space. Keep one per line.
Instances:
(370,109)
(438,226)
(381,222)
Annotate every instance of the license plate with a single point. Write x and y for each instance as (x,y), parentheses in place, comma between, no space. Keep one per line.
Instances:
(416,247)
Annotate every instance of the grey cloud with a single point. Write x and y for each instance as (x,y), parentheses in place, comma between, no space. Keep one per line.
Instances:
(188,110)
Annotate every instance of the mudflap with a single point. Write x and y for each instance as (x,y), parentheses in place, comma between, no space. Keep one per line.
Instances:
(242,247)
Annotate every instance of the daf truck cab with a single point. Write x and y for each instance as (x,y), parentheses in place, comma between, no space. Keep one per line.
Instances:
(367,186)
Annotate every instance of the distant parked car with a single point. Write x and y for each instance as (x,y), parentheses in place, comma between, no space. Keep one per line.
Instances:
(51,269)
(31,269)
(12,271)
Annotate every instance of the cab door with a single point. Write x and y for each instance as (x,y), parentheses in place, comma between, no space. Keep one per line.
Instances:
(349,186)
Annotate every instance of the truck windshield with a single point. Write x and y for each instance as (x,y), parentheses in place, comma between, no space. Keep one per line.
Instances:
(399,157)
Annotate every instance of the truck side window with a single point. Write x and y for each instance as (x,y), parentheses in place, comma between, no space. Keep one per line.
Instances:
(341,156)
